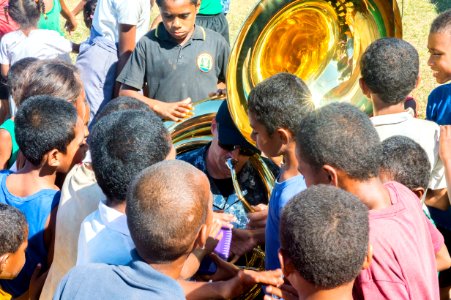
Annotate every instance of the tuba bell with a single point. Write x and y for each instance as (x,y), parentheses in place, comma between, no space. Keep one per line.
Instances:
(319,41)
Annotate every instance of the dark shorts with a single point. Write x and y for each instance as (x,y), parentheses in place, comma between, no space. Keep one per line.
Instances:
(216,23)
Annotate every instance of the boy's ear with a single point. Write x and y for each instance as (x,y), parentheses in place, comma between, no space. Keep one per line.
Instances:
(202,237)
(52,158)
(417,83)
(198,6)
(214,126)
(285,135)
(285,263)
(368,257)
(419,191)
(332,175)
(365,89)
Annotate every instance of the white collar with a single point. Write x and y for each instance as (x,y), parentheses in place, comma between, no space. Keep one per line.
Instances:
(391,118)
(113,219)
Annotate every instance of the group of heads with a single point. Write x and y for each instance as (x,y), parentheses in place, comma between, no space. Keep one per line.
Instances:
(57,129)
(133,161)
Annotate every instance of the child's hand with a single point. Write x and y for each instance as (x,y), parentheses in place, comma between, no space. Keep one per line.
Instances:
(257,219)
(286,292)
(71,25)
(225,219)
(174,111)
(445,143)
(214,237)
(243,241)
(247,279)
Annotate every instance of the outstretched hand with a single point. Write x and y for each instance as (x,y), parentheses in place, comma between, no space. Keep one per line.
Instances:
(285,291)
(257,218)
(174,111)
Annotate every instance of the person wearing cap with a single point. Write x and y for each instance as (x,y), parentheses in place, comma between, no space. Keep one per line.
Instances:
(211,159)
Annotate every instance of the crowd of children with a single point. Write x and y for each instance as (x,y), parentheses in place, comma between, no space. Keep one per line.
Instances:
(360,208)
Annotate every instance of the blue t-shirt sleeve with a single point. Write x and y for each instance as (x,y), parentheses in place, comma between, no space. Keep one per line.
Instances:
(431,113)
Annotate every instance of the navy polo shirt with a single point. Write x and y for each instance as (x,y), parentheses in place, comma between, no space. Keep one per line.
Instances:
(137,280)
(174,72)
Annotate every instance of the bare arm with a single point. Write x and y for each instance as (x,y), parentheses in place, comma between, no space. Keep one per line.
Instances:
(71,24)
(6,146)
(442,258)
(79,7)
(437,198)
(49,234)
(127,39)
(4,70)
(167,110)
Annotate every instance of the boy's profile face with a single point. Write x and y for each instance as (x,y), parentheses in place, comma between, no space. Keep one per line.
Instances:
(311,174)
(439,45)
(268,144)
(178,18)
(15,261)
(76,150)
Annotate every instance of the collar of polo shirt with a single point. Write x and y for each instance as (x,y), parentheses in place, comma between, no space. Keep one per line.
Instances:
(162,34)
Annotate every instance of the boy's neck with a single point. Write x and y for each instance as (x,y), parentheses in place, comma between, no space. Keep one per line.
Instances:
(381,108)
(343,292)
(27,30)
(371,192)
(116,204)
(289,168)
(171,269)
(32,180)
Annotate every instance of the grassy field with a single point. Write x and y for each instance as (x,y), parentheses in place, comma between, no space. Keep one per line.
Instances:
(417,16)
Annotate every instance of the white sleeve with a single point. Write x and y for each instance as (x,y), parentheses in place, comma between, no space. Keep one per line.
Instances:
(61,44)
(5,58)
(128,12)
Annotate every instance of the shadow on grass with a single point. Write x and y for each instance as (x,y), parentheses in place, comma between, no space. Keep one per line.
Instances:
(441,5)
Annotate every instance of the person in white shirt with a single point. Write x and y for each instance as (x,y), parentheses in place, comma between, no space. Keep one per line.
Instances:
(122,144)
(29,41)
(117,26)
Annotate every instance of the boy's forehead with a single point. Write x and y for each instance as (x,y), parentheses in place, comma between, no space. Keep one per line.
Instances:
(177,6)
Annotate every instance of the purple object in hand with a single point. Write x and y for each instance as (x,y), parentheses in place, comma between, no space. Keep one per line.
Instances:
(223,247)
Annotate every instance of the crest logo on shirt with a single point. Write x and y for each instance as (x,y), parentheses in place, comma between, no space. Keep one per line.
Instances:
(204,62)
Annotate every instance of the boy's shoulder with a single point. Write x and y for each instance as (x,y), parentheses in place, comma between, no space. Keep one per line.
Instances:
(441,92)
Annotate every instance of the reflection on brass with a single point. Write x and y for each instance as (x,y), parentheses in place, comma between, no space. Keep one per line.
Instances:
(319,41)
(229,163)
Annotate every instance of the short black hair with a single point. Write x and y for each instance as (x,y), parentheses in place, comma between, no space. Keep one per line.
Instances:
(342,136)
(18,77)
(442,23)
(26,13)
(13,229)
(43,123)
(160,2)
(53,77)
(166,205)
(121,103)
(280,102)
(325,232)
(390,68)
(406,161)
(124,143)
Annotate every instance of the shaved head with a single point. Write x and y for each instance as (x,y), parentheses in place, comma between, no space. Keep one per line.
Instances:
(167,204)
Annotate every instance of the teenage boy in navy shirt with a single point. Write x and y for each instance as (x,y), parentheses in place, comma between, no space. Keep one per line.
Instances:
(177,63)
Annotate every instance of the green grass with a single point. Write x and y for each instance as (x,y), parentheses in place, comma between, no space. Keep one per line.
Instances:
(416,19)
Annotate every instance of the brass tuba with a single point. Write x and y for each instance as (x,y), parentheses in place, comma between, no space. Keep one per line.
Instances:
(319,41)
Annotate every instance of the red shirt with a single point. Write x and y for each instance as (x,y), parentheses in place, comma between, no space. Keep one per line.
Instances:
(404,245)
(6,23)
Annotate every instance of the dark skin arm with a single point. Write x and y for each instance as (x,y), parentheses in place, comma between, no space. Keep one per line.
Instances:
(437,198)
(49,234)
(71,23)
(127,39)
(79,7)
(6,147)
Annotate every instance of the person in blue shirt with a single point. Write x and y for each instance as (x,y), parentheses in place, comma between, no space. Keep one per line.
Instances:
(276,107)
(439,44)
(52,138)
(169,212)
